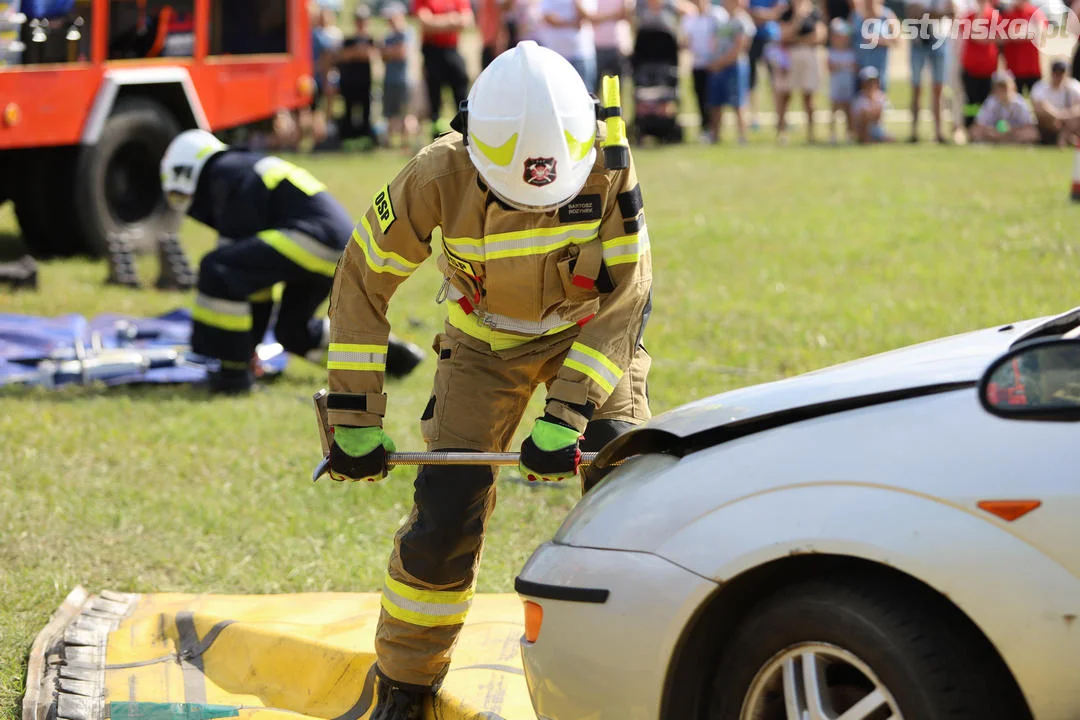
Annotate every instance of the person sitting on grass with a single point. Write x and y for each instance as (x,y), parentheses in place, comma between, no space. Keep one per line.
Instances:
(1005,117)
(730,70)
(869,108)
(1057,107)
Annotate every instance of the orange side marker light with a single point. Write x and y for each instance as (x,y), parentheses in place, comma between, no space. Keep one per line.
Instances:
(534,618)
(1009,510)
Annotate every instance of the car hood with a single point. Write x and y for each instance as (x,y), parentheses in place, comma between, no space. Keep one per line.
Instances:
(945,362)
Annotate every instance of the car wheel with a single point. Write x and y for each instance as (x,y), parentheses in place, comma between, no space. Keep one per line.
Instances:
(119,184)
(829,650)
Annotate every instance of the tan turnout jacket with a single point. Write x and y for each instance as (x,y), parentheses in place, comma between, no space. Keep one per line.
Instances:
(513,278)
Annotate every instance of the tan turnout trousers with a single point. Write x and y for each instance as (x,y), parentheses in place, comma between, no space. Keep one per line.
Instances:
(478,400)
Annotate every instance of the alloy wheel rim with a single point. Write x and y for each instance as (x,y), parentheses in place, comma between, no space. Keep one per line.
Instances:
(818,681)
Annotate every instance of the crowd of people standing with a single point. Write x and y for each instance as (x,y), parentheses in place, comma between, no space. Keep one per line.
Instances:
(743,53)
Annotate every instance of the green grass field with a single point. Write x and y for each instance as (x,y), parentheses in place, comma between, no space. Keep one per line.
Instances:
(768,262)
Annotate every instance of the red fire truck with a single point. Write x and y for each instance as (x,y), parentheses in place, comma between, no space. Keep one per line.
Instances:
(90,100)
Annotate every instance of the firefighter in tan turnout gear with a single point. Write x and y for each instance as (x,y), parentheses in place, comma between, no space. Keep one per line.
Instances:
(547,280)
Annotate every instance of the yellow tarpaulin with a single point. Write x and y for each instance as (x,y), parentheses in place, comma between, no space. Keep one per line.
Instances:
(258,657)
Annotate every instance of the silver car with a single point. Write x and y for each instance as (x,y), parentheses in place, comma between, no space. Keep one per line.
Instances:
(892,538)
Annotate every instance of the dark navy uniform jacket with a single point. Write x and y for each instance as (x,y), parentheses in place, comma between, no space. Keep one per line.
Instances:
(241,194)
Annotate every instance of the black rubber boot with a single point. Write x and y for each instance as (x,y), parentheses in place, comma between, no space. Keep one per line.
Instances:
(399,703)
(175,270)
(122,262)
(231,381)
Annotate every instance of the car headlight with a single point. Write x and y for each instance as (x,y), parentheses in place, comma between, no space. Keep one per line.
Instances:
(633,474)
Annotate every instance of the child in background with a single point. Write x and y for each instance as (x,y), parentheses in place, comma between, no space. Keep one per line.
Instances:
(842,70)
(729,81)
(396,45)
(869,108)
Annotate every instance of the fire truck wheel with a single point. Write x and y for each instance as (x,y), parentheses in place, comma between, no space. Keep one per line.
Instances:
(119,188)
(45,187)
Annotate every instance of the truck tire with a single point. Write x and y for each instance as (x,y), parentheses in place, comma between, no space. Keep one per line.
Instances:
(43,197)
(119,185)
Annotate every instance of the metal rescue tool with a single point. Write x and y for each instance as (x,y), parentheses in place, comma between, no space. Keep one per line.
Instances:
(503,459)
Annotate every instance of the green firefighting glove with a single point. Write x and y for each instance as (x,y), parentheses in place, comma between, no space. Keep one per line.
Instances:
(551,452)
(359,453)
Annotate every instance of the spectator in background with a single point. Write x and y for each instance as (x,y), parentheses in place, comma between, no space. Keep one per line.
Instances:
(326,40)
(729,78)
(978,60)
(802,31)
(1057,106)
(611,33)
(1022,54)
(869,108)
(877,29)
(397,89)
(441,21)
(766,15)
(700,30)
(932,49)
(492,34)
(1004,117)
(566,29)
(354,82)
(843,71)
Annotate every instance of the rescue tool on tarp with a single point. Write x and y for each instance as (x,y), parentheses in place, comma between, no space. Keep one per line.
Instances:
(503,459)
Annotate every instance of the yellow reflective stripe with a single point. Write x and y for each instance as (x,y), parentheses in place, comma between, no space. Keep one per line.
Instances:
(221,321)
(422,619)
(501,155)
(438,597)
(349,356)
(262,296)
(379,260)
(615,249)
(427,608)
(579,149)
(593,364)
(294,249)
(496,340)
(273,170)
(521,243)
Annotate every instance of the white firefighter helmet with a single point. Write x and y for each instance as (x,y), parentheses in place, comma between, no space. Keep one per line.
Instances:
(182,164)
(531,128)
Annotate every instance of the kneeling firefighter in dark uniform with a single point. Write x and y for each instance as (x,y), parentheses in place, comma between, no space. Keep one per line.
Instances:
(548,281)
(276,224)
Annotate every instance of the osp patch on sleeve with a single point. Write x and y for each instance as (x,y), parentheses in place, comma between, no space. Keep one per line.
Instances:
(384,209)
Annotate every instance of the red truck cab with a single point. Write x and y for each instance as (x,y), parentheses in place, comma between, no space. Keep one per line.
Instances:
(90,100)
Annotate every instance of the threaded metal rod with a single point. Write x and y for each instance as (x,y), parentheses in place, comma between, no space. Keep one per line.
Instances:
(504,459)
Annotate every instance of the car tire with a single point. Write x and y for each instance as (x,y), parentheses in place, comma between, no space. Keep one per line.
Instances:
(882,636)
(119,185)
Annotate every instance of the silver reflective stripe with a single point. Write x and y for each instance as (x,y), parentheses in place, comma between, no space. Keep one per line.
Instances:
(424,608)
(225,307)
(595,365)
(490,247)
(495,321)
(623,247)
(356,357)
(313,246)
(376,257)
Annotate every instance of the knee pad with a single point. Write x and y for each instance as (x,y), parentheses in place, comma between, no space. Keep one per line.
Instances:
(440,546)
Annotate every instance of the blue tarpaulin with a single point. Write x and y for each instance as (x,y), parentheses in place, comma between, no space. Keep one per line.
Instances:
(109,348)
